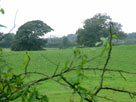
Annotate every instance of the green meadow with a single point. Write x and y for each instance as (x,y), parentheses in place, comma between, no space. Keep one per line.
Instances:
(122,58)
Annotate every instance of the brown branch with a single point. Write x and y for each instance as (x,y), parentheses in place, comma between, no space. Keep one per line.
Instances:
(107,61)
(75,89)
(69,70)
(106,98)
(110,70)
(119,90)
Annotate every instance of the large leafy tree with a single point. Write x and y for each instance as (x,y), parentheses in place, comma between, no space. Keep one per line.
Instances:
(28,36)
(95,28)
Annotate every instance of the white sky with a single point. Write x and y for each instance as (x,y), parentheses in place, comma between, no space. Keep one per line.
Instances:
(66,16)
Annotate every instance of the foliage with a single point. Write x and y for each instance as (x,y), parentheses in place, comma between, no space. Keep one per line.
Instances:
(95,28)
(13,86)
(62,42)
(7,40)
(28,36)
(54,42)
(129,39)
(16,86)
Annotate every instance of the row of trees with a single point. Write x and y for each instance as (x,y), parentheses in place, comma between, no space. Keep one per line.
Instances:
(62,42)
(129,39)
(7,40)
(29,36)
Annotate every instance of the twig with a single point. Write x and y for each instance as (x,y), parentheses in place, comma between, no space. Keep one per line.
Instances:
(56,69)
(106,98)
(11,28)
(107,61)
(14,22)
(27,62)
(122,76)
(75,89)
(110,70)
(49,60)
(119,90)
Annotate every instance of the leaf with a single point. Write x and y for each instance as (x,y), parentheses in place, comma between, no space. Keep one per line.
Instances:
(108,45)
(104,40)
(13,89)
(102,52)
(23,99)
(14,96)
(76,80)
(81,100)
(115,36)
(2,11)
(66,65)
(78,71)
(1,86)
(3,95)
(84,61)
(6,89)
(82,89)
(85,56)
(98,43)
(26,60)
(94,98)
(44,99)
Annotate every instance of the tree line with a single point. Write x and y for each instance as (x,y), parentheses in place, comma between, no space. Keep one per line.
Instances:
(29,36)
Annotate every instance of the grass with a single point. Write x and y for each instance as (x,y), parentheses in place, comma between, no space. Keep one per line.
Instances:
(123,57)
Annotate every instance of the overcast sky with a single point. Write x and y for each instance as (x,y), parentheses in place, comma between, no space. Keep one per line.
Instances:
(66,16)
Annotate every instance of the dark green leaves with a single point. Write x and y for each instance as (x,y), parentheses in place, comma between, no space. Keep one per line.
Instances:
(2,11)
(44,99)
(29,36)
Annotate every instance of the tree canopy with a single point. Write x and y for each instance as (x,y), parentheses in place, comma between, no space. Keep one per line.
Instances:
(95,28)
(28,36)
(7,40)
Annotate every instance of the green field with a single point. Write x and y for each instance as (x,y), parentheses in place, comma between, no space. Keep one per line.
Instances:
(123,58)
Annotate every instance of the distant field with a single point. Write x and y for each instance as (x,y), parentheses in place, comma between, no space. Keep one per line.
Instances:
(123,57)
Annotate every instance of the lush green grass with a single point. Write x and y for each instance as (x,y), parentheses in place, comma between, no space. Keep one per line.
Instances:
(123,57)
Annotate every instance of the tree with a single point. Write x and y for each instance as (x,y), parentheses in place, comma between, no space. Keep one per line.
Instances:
(14,86)
(28,36)
(62,42)
(54,42)
(7,40)
(95,28)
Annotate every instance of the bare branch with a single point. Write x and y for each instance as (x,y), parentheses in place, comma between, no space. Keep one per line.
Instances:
(107,61)
(14,22)
(106,98)
(11,28)
(119,90)
(56,69)
(122,76)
